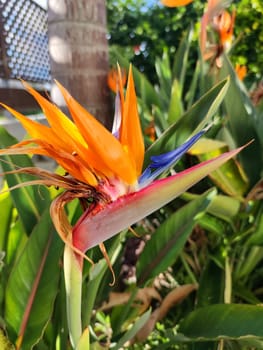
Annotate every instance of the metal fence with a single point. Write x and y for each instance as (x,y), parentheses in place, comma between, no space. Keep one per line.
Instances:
(23,41)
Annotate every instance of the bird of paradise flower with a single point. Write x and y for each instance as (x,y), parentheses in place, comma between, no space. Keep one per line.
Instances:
(222,22)
(107,167)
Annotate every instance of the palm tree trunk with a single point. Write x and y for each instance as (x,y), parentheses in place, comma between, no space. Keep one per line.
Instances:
(79,53)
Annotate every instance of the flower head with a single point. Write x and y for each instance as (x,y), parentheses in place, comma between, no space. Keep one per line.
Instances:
(104,166)
(224,25)
(221,22)
(112,79)
(241,71)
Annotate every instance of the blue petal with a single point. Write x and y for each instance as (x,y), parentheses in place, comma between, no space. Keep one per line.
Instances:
(164,161)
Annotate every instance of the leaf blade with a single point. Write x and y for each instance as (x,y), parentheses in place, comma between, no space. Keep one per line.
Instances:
(232,321)
(36,285)
(29,201)
(195,118)
(159,254)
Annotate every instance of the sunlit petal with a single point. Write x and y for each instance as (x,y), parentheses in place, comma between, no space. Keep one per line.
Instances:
(36,130)
(113,79)
(131,134)
(70,163)
(107,148)
(67,136)
(60,123)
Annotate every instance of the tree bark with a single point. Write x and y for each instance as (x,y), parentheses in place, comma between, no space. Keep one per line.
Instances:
(78,51)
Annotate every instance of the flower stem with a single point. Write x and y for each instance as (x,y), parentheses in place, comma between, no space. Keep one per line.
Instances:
(73,285)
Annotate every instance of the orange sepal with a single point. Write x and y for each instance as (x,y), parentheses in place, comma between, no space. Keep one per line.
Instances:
(175,3)
(130,133)
(59,135)
(72,164)
(113,79)
(241,71)
(36,130)
(226,22)
(60,124)
(107,148)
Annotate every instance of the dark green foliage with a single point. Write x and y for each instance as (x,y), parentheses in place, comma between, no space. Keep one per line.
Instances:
(249,32)
(133,24)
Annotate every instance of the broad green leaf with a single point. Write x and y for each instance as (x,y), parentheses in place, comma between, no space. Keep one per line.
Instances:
(16,239)
(176,108)
(228,321)
(243,122)
(211,285)
(181,57)
(212,224)
(190,95)
(230,177)
(32,285)
(257,237)
(224,207)
(5,218)
(244,293)
(29,201)
(195,118)
(247,265)
(162,250)
(133,330)
(160,120)
(163,70)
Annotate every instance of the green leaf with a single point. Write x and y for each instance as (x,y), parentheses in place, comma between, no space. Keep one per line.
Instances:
(243,122)
(133,330)
(5,219)
(230,177)
(196,117)
(29,201)
(252,259)
(181,57)
(211,286)
(16,239)
(167,242)
(163,70)
(212,224)
(32,285)
(12,234)
(230,321)
(176,108)
(257,237)
(190,95)
(224,207)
